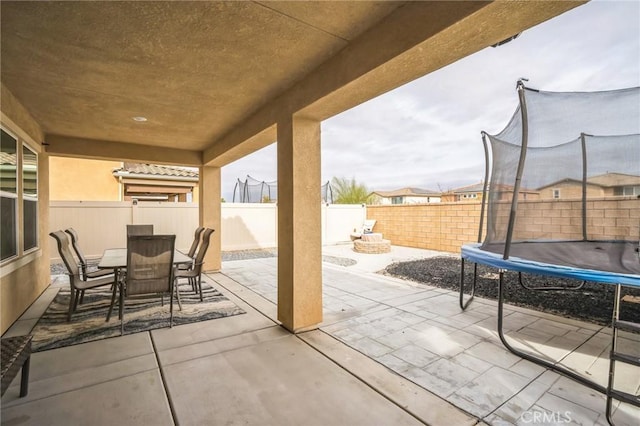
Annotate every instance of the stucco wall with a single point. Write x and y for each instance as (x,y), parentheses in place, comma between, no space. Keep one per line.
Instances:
(25,277)
(85,180)
(572,190)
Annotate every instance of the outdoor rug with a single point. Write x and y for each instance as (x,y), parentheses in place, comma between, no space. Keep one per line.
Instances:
(141,313)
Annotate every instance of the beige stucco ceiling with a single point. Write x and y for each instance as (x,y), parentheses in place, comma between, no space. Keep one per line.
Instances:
(200,71)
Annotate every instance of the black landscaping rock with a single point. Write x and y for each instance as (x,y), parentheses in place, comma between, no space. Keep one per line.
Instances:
(593,303)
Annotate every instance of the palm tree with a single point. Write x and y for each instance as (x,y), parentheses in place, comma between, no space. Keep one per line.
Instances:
(348,191)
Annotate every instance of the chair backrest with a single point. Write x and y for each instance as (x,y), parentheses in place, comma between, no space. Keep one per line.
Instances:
(139,230)
(367,228)
(149,264)
(204,245)
(73,235)
(196,241)
(65,252)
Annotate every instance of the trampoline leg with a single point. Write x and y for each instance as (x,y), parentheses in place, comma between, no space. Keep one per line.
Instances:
(612,363)
(543,288)
(463,304)
(557,368)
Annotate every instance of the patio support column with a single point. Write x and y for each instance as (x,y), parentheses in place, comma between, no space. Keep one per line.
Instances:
(299,224)
(210,214)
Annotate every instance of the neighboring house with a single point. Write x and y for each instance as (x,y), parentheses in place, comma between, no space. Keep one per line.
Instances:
(464,193)
(407,196)
(474,193)
(605,185)
(156,183)
(75,179)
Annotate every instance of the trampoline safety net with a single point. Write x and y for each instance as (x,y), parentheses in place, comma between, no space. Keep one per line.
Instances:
(255,191)
(565,168)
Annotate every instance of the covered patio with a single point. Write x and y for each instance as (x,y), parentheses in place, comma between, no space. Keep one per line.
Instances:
(203,84)
(388,352)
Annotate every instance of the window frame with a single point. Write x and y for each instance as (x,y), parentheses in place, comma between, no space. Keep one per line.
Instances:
(16,197)
(23,255)
(31,198)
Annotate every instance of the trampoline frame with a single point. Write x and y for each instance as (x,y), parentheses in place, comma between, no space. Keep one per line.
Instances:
(606,390)
(512,265)
(506,263)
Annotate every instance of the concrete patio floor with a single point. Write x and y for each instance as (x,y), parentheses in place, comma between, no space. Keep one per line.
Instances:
(389,352)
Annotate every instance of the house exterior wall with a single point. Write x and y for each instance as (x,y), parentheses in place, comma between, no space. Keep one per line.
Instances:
(408,199)
(451,197)
(83,180)
(25,277)
(573,190)
(77,179)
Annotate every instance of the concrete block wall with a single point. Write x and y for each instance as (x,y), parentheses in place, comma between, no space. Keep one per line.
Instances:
(447,226)
(437,226)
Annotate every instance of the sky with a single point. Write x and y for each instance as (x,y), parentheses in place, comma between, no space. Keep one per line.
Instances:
(426,134)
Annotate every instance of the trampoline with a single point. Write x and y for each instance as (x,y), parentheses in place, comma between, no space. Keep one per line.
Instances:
(561,199)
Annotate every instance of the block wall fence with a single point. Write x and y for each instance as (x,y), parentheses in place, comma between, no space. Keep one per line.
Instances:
(447,226)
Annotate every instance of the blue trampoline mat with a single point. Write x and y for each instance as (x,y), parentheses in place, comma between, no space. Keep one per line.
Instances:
(610,262)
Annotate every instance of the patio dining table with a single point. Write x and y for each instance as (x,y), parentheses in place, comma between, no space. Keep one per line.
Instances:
(116,259)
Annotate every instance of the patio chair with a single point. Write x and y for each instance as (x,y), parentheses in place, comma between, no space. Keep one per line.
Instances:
(149,270)
(83,261)
(139,230)
(76,283)
(196,241)
(194,275)
(194,246)
(367,228)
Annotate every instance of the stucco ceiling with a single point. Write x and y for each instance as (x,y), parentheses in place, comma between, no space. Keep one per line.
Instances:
(191,68)
(196,70)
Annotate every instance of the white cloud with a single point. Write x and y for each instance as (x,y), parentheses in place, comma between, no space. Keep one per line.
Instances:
(427,133)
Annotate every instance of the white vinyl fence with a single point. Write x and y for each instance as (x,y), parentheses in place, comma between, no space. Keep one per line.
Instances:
(102,224)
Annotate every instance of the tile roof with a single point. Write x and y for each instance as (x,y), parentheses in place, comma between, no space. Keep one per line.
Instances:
(479,187)
(411,192)
(604,180)
(156,170)
(615,179)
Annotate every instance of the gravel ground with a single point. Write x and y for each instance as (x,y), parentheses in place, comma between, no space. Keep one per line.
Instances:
(592,303)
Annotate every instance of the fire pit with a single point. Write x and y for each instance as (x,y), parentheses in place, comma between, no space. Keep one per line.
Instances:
(372,243)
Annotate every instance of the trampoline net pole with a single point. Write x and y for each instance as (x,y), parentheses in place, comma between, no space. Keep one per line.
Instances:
(484,200)
(584,186)
(516,186)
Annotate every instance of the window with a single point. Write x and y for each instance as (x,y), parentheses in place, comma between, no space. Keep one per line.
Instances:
(556,193)
(30,198)
(396,200)
(8,196)
(18,196)
(470,196)
(626,190)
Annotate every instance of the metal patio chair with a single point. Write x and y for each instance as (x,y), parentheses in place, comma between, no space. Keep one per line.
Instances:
(77,284)
(84,268)
(194,275)
(139,230)
(149,270)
